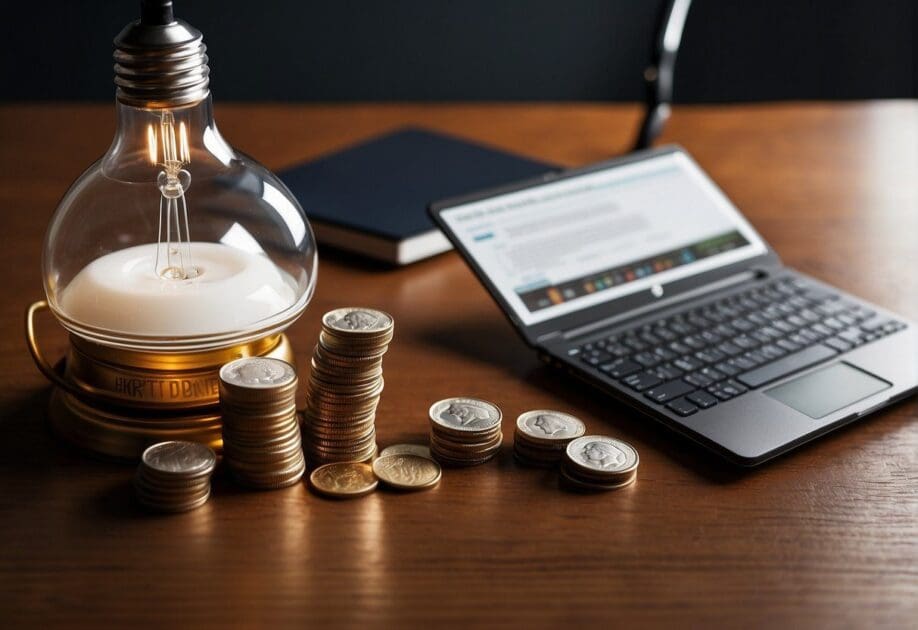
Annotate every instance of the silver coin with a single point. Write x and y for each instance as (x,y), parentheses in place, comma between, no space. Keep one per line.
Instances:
(602,454)
(406,449)
(180,458)
(545,424)
(357,320)
(465,414)
(258,373)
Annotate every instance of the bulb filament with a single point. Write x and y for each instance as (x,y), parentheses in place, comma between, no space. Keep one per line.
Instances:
(173,180)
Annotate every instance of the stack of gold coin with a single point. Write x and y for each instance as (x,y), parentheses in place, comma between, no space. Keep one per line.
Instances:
(542,435)
(344,386)
(261,434)
(175,476)
(596,462)
(464,431)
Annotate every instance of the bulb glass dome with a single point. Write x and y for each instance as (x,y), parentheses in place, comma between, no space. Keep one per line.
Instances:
(175,241)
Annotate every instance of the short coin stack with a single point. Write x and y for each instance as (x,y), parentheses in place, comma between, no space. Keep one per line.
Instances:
(542,435)
(464,431)
(345,384)
(261,434)
(174,476)
(596,462)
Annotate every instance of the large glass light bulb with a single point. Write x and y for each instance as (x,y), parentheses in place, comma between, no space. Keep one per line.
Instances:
(173,240)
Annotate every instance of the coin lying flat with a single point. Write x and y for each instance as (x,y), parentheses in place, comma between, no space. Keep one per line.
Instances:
(465,414)
(185,459)
(551,426)
(352,320)
(602,454)
(343,480)
(407,472)
(258,372)
(542,435)
(406,449)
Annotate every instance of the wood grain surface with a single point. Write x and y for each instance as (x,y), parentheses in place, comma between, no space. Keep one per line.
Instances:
(824,537)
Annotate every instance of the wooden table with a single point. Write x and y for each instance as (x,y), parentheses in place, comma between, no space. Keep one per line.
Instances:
(825,537)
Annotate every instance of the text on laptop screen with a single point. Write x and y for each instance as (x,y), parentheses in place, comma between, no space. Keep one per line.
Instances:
(566,245)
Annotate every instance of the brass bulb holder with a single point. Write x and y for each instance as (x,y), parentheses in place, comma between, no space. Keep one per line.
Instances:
(116,402)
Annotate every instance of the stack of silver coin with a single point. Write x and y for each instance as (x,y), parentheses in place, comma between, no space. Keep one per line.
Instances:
(261,434)
(464,431)
(597,462)
(542,435)
(174,476)
(344,386)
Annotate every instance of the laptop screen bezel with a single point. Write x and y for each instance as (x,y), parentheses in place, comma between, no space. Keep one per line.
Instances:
(532,333)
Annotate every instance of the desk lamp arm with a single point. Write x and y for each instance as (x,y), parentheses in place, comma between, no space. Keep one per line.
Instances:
(659,75)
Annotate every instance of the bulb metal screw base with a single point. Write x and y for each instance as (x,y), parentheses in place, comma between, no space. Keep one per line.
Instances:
(160,65)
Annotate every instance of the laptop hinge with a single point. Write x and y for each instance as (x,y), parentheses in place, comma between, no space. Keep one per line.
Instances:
(549,336)
(606,322)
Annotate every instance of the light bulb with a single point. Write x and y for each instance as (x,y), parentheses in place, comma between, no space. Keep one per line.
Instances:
(173,239)
(168,257)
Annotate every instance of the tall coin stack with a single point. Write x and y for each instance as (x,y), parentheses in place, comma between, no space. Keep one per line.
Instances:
(174,476)
(344,386)
(597,462)
(542,435)
(464,431)
(261,435)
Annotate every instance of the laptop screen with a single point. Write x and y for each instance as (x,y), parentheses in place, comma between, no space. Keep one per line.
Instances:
(557,248)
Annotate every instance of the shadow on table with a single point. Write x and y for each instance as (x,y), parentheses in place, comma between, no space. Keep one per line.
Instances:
(328,253)
(487,340)
(36,462)
(679,448)
(493,342)
(631,424)
(26,440)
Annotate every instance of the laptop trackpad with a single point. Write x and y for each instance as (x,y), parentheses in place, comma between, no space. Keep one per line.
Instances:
(819,393)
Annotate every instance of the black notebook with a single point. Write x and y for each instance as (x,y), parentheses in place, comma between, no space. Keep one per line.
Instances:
(372,198)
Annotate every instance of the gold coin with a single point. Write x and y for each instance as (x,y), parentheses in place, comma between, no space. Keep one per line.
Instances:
(343,480)
(407,449)
(407,472)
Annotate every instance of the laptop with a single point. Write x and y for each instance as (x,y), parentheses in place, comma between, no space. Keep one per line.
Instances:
(639,276)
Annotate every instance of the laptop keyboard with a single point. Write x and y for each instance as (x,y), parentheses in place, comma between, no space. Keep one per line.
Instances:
(708,354)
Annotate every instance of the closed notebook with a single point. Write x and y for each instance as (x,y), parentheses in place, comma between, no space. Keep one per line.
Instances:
(372,198)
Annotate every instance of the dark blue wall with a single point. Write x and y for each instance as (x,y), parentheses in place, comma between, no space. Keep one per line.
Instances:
(734,50)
